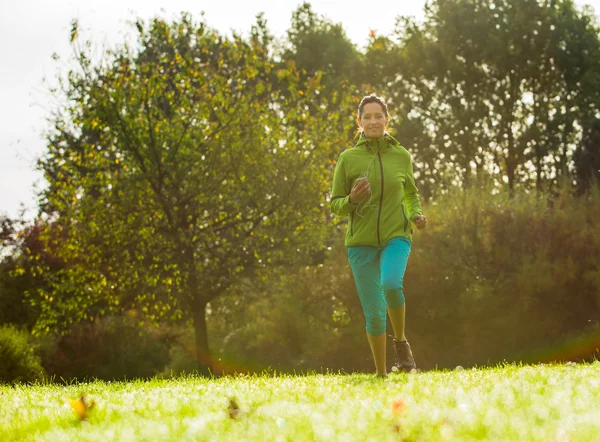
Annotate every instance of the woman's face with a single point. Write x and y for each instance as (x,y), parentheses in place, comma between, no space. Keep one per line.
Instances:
(373,121)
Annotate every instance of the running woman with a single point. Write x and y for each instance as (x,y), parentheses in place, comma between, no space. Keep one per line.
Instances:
(374,185)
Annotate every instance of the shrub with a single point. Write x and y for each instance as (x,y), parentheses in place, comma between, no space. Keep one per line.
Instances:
(494,277)
(181,354)
(109,348)
(18,361)
(294,319)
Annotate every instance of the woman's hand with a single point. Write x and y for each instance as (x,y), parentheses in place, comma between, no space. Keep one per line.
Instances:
(360,191)
(420,221)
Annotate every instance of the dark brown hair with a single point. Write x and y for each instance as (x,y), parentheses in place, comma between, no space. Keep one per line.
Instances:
(371,99)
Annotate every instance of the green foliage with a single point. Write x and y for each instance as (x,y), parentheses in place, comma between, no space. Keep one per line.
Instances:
(496,276)
(498,88)
(318,46)
(191,165)
(23,262)
(114,347)
(179,167)
(587,158)
(18,361)
(181,354)
(295,318)
(13,279)
(492,278)
(14,308)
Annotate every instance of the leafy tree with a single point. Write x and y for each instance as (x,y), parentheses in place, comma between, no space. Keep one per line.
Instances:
(587,158)
(19,240)
(177,167)
(495,88)
(577,54)
(316,45)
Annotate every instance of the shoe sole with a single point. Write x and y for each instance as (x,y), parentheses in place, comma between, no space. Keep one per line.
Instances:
(406,370)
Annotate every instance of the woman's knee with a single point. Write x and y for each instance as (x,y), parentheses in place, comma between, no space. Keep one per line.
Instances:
(394,297)
(375,325)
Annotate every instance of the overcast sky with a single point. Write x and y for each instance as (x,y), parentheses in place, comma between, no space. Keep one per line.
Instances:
(32,30)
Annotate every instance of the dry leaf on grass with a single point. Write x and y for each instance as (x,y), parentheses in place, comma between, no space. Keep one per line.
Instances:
(233,409)
(81,407)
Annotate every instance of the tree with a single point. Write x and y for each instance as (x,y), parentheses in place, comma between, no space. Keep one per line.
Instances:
(178,167)
(577,54)
(496,89)
(587,158)
(316,45)
(19,241)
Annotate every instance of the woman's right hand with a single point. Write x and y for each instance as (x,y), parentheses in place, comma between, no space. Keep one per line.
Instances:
(360,191)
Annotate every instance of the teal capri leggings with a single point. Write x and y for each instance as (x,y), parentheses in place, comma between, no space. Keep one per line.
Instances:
(379,274)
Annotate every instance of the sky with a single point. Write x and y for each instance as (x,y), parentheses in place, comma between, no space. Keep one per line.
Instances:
(32,30)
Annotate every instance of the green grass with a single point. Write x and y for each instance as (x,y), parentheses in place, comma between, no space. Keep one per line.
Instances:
(537,403)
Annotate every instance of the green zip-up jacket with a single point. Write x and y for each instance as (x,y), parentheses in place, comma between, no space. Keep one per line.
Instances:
(394,202)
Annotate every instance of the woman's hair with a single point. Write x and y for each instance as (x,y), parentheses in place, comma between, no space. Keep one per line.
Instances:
(371,99)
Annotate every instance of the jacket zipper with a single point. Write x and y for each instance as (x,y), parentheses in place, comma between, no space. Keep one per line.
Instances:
(351,224)
(380,197)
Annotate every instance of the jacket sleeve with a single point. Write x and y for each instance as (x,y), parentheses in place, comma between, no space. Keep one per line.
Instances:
(411,193)
(340,194)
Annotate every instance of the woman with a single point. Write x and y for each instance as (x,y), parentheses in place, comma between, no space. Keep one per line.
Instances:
(374,185)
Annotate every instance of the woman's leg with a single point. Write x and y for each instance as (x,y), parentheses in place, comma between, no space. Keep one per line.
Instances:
(364,261)
(393,261)
(397,318)
(377,344)
(394,258)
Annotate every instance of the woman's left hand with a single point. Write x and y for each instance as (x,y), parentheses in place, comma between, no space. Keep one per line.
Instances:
(420,221)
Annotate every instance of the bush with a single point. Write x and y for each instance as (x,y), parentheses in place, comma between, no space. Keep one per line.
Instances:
(108,349)
(496,278)
(18,361)
(493,278)
(294,319)
(14,307)
(181,354)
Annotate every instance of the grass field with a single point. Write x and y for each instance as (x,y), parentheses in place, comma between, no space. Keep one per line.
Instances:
(535,403)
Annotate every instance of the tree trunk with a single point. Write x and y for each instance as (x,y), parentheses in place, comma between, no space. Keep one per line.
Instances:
(510,171)
(201,349)
(538,168)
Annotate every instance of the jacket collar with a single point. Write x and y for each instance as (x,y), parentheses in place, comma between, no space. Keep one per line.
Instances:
(373,142)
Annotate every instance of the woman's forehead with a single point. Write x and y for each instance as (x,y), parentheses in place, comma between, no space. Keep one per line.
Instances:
(372,108)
